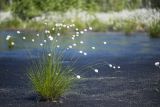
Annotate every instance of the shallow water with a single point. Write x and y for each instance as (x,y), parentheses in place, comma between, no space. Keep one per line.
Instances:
(138,44)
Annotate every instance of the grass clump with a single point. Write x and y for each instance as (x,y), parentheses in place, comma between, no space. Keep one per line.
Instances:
(154,29)
(129,26)
(11,24)
(49,78)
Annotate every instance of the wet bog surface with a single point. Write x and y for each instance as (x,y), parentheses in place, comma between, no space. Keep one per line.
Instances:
(134,84)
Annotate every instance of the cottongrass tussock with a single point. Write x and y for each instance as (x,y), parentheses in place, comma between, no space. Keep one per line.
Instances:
(50,74)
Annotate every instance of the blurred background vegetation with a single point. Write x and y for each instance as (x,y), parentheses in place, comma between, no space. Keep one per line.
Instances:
(26,9)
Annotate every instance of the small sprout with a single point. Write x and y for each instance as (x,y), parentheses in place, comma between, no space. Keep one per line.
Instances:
(96,70)
(53,28)
(76,29)
(78,76)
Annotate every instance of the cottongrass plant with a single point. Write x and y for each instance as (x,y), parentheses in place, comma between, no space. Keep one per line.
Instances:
(154,28)
(49,74)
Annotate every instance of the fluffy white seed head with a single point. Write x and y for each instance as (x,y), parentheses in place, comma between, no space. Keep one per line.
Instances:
(84,53)
(41,44)
(93,48)
(96,70)
(49,54)
(8,37)
(81,52)
(90,28)
(12,43)
(118,67)
(110,65)
(70,46)
(44,41)
(32,40)
(23,37)
(104,43)
(18,32)
(78,76)
(81,42)
(50,38)
(156,63)
(74,44)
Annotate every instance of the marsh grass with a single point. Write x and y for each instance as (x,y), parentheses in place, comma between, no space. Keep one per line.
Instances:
(11,24)
(129,26)
(154,29)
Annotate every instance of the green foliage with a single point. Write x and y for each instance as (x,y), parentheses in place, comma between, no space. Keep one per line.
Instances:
(154,28)
(27,9)
(129,26)
(98,25)
(49,78)
(11,24)
(24,9)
